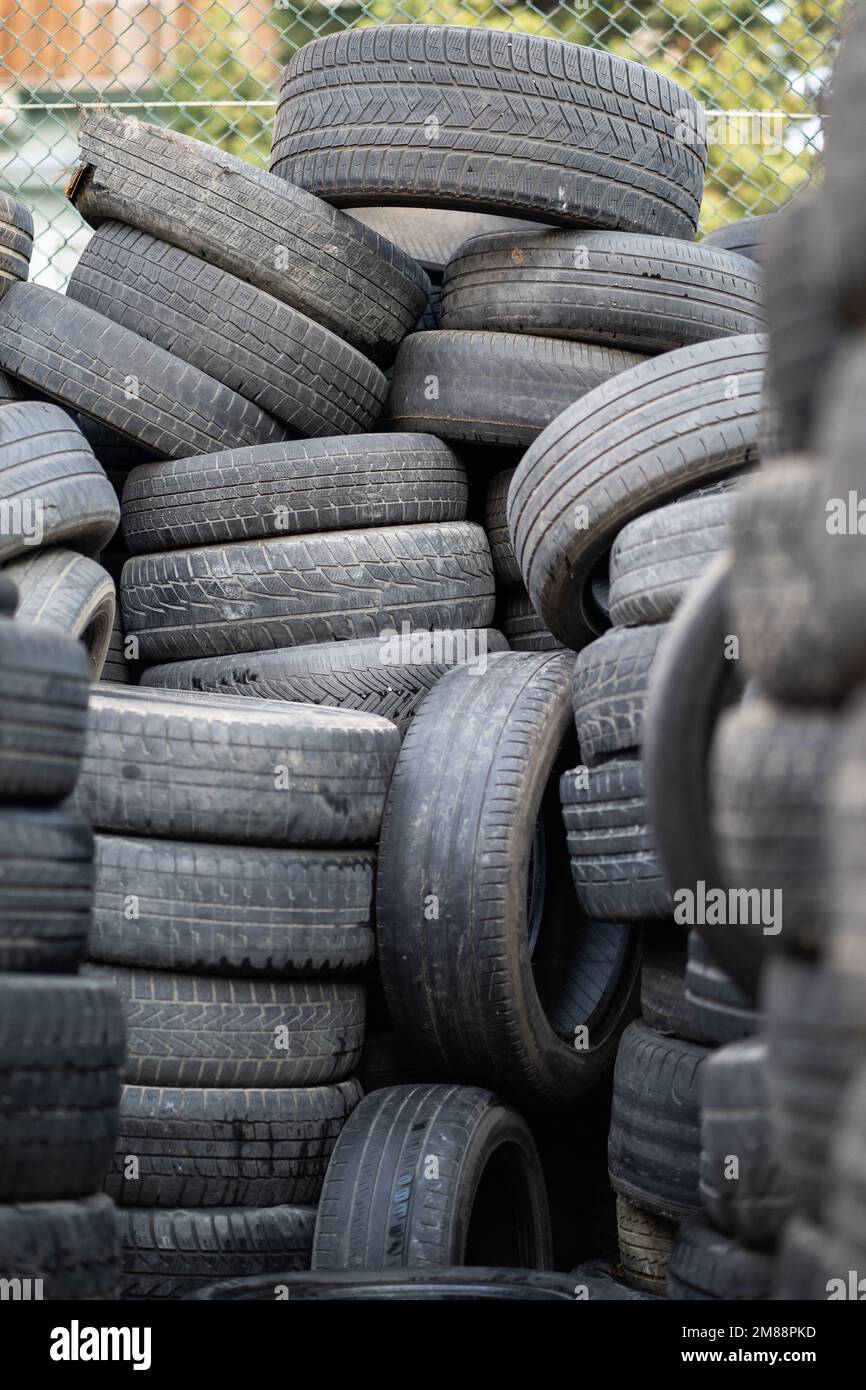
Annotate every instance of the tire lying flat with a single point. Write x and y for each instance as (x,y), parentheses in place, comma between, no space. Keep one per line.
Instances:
(523,125)
(331,484)
(255,595)
(650,294)
(44,685)
(46,889)
(229,770)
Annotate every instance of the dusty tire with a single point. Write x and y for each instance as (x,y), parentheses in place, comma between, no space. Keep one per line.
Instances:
(255,595)
(493,388)
(73,1247)
(44,685)
(286,489)
(214,909)
(744,237)
(521,625)
(645,1244)
(748,1203)
(46,890)
(771,777)
(706,1265)
(61,1051)
(509,991)
(267,352)
(649,294)
(347,127)
(609,691)
(656,560)
(816,1037)
(205,1030)
(257,227)
(218,1148)
(169,1253)
(16,241)
(380,1210)
(614,862)
(654,1143)
(663,1003)
(192,767)
(432,235)
(46,463)
(720,1011)
(88,363)
(642,439)
(505,565)
(64,590)
(375,675)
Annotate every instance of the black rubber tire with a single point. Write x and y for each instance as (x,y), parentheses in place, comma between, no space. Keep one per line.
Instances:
(200,768)
(521,625)
(213,909)
(255,595)
(280,490)
(493,388)
(804,331)
(46,890)
(402,1285)
(44,685)
(708,1266)
(47,466)
(267,352)
(117,667)
(719,1008)
(524,125)
(486,1202)
(433,235)
(692,684)
(88,363)
(645,1242)
(16,241)
(218,1148)
(260,228)
(642,439)
(749,1202)
(656,559)
(744,237)
(614,862)
(609,691)
(478,994)
(61,589)
(663,1004)
(364,675)
(505,565)
(771,773)
(784,608)
(816,1038)
(650,294)
(169,1253)
(72,1247)
(206,1030)
(61,1050)
(654,1142)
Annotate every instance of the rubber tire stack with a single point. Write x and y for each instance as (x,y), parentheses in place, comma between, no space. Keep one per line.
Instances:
(61,1036)
(233,900)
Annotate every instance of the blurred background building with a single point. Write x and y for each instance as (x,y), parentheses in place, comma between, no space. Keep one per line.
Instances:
(210,69)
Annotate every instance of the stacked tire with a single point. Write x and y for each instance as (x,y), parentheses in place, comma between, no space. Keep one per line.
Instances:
(234,875)
(61,1035)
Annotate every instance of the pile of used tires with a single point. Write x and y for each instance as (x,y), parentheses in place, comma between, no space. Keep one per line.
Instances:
(482,660)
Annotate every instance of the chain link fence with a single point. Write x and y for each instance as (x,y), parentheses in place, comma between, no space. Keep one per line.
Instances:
(210,70)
